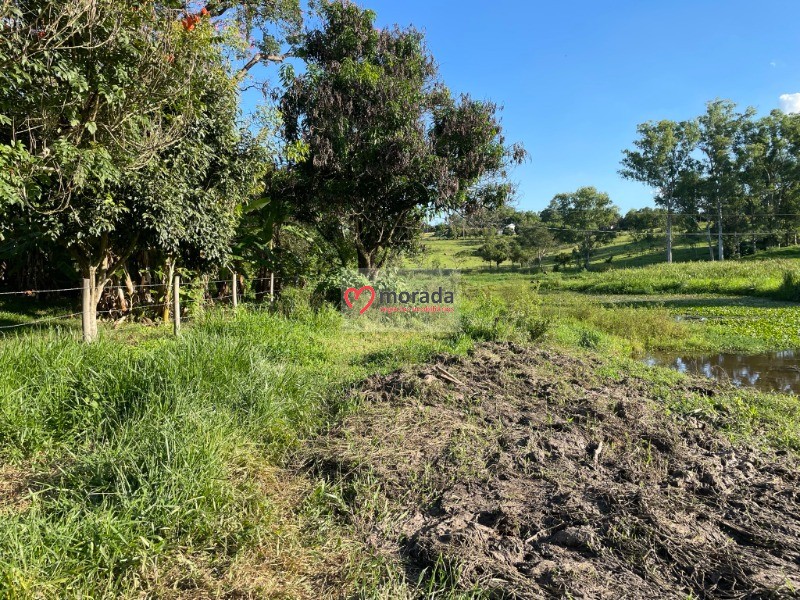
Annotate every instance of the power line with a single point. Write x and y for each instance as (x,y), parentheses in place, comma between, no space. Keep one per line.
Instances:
(676,234)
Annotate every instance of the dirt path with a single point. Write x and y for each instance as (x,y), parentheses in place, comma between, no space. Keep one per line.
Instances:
(532,477)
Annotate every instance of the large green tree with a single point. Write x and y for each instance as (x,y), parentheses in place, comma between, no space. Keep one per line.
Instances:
(495,249)
(663,157)
(118,126)
(769,167)
(84,87)
(721,131)
(585,216)
(535,236)
(386,145)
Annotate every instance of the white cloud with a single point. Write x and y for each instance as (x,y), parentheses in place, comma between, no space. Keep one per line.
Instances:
(790,103)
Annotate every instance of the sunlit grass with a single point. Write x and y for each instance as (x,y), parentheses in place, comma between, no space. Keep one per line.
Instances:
(131,452)
(144,460)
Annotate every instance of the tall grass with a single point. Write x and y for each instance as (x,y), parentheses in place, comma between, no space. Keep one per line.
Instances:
(633,329)
(790,286)
(515,316)
(133,451)
(142,451)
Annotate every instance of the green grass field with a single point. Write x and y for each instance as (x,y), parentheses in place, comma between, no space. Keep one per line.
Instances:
(623,250)
(149,465)
(125,462)
(774,274)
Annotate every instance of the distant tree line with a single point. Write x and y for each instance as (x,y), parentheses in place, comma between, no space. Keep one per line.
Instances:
(727,179)
(725,171)
(586,218)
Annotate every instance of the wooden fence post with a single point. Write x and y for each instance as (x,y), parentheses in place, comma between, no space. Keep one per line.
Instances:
(235,301)
(87,308)
(271,273)
(176,302)
(272,287)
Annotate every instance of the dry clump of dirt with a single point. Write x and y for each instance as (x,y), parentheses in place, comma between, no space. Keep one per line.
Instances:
(14,489)
(539,479)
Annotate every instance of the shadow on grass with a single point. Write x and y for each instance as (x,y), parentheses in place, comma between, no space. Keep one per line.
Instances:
(694,302)
(18,313)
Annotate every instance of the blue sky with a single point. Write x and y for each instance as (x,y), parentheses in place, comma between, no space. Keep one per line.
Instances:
(576,77)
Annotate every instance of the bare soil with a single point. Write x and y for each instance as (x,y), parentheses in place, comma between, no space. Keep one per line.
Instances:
(526,474)
(14,483)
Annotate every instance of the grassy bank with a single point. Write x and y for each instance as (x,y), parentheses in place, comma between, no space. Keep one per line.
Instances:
(623,251)
(770,278)
(622,267)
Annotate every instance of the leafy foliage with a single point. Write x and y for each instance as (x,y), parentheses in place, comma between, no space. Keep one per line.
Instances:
(585,216)
(663,159)
(495,249)
(386,144)
(122,125)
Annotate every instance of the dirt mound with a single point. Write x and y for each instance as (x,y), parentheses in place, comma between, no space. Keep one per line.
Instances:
(531,476)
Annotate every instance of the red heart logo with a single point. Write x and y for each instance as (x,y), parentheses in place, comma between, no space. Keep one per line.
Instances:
(357,293)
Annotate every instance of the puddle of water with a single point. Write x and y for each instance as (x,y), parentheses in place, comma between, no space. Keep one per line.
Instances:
(771,372)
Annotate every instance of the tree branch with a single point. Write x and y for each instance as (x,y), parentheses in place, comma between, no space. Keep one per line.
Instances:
(258,57)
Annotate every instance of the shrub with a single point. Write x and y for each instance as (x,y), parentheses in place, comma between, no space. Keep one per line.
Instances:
(517,318)
(295,302)
(790,286)
(589,339)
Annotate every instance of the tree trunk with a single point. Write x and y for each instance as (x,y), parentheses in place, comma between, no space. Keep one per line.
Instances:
(94,281)
(366,261)
(586,263)
(708,235)
(121,300)
(669,234)
(720,249)
(129,287)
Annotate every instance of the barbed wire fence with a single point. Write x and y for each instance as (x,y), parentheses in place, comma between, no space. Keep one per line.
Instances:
(128,307)
(230,292)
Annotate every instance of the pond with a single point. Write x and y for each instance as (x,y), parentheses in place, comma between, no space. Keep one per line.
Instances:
(770,372)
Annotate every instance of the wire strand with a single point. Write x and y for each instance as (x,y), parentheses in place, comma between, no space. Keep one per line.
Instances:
(45,320)
(188,283)
(32,292)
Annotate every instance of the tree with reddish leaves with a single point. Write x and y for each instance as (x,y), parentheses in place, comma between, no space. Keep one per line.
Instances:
(264,27)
